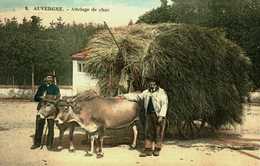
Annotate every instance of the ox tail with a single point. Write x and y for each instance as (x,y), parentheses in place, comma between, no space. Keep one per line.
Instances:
(167,123)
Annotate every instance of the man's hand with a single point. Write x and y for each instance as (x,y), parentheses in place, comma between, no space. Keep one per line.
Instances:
(160,119)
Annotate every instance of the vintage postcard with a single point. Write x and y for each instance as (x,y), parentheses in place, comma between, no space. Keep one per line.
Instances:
(129,82)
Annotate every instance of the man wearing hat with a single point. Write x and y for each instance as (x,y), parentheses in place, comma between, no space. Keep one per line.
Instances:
(155,102)
(46,94)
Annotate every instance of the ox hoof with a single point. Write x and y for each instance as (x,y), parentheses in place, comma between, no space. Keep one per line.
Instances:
(89,154)
(59,148)
(100,155)
(71,150)
(132,147)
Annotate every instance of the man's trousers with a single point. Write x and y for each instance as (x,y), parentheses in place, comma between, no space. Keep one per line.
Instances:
(39,131)
(154,131)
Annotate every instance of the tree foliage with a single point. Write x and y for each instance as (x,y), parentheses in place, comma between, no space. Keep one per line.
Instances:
(239,19)
(28,46)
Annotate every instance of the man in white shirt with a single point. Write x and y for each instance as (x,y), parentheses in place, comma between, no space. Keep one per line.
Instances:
(155,102)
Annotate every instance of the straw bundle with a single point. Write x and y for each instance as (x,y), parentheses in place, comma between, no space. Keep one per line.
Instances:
(204,74)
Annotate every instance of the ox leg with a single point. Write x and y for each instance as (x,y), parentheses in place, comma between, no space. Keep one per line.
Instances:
(62,130)
(92,146)
(135,132)
(100,153)
(71,148)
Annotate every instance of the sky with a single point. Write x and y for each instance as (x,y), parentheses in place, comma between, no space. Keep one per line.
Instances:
(117,13)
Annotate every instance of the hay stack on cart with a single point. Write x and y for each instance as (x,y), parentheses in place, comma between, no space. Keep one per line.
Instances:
(204,74)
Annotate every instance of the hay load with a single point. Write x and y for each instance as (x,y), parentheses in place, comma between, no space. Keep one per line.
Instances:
(109,64)
(205,74)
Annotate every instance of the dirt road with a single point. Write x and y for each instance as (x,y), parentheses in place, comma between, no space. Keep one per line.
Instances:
(236,147)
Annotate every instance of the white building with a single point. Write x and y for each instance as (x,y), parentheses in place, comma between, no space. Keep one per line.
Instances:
(81,81)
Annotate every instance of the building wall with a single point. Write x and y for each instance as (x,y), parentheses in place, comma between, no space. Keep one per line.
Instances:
(81,80)
(255,96)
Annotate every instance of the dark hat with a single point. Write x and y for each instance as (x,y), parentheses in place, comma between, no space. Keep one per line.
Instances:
(50,74)
(152,79)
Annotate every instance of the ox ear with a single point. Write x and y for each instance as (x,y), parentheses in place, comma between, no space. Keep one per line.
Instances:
(74,98)
(60,102)
(71,101)
(66,99)
(57,102)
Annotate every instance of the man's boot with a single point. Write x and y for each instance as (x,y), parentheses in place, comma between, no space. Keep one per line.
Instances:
(146,152)
(156,151)
(35,146)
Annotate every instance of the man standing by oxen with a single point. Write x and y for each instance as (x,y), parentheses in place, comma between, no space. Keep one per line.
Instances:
(46,95)
(155,102)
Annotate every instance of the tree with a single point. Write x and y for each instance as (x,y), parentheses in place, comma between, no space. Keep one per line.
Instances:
(28,50)
(164,3)
(239,19)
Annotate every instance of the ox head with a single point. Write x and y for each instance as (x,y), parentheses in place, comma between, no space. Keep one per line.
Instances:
(47,109)
(69,110)
(65,112)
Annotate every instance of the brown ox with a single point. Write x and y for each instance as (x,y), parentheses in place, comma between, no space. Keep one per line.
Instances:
(96,114)
(51,109)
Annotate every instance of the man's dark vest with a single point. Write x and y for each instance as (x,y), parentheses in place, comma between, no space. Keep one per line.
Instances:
(52,89)
(150,107)
(40,92)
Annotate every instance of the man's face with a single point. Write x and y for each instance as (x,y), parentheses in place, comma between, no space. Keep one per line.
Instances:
(152,86)
(49,79)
